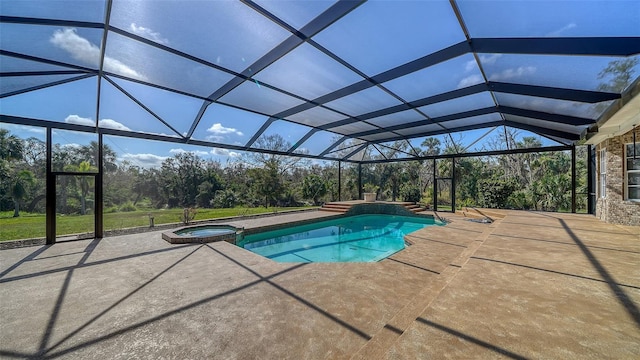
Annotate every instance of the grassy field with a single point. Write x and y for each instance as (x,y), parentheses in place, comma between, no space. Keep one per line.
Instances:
(29,226)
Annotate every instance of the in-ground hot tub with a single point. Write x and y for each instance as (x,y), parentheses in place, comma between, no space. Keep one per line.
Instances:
(202,234)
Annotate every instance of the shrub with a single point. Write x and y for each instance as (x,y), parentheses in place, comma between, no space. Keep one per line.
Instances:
(520,200)
(188,214)
(370,188)
(410,192)
(466,202)
(495,191)
(314,187)
(111,209)
(427,197)
(224,199)
(127,207)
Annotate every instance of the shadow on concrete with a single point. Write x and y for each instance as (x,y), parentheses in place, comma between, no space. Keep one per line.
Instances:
(394,329)
(27,258)
(483,214)
(552,271)
(63,292)
(591,230)
(48,354)
(438,241)
(93,263)
(453,225)
(620,294)
(413,265)
(307,303)
(564,243)
(57,256)
(47,333)
(105,311)
(472,339)
(46,351)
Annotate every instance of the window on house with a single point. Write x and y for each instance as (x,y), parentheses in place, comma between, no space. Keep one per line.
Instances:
(603,172)
(633,172)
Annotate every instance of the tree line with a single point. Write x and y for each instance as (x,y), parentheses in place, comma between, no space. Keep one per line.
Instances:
(538,181)
(529,181)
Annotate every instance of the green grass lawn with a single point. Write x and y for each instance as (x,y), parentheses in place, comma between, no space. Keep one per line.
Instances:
(29,225)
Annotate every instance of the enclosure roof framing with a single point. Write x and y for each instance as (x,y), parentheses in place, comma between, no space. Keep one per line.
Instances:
(334,78)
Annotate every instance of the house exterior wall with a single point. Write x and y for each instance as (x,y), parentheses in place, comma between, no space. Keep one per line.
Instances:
(614,208)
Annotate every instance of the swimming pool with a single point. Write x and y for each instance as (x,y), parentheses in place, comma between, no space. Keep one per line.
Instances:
(360,238)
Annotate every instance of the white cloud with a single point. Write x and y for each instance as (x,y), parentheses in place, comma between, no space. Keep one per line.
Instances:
(23,129)
(513,73)
(112,124)
(182,151)
(84,51)
(144,160)
(558,32)
(215,138)
(489,59)
(218,129)
(484,60)
(470,80)
(78,120)
(555,107)
(148,33)
(470,65)
(224,152)
(105,123)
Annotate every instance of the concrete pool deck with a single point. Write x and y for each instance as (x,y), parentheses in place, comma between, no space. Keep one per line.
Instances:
(531,285)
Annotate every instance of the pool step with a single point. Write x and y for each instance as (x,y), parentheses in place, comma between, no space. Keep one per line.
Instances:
(343,207)
(333,210)
(414,208)
(336,207)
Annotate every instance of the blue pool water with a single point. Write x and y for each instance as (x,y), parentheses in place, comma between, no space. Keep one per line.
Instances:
(204,231)
(361,238)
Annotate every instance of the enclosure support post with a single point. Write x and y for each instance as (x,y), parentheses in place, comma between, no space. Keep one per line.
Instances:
(453,185)
(339,181)
(359,181)
(591,179)
(573,178)
(50,179)
(435,187)
(99,198)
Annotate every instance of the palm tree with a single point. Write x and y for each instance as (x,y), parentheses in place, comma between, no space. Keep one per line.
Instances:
(85,182)
(12,150)
(20,182)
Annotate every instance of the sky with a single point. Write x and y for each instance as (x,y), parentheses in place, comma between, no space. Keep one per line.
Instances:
(232,36)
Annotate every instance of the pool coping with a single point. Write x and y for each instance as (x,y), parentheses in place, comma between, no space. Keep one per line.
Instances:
(173,237)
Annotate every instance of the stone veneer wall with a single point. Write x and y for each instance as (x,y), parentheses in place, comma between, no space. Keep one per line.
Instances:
(613,208)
